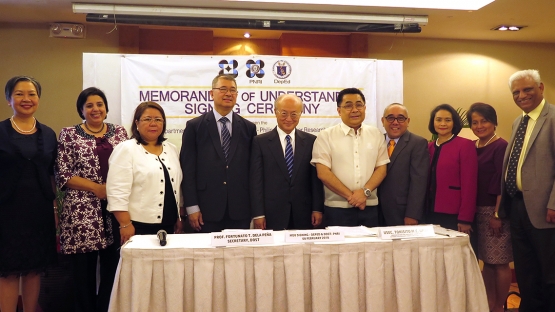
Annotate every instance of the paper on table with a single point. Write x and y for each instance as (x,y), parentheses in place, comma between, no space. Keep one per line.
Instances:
(447,232)
(355,231)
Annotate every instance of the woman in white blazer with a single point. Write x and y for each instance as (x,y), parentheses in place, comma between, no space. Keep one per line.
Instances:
(144,179)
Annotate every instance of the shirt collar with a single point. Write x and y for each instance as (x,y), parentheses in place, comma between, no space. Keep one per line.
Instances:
(535,113)
(347,130)
(218,116)
(282,134)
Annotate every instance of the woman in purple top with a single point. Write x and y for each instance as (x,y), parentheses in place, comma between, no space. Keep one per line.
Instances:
(86,226)
(451,197)
(494,239)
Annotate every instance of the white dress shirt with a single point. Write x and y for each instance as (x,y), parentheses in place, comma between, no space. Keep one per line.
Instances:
(136,180)
(351,157)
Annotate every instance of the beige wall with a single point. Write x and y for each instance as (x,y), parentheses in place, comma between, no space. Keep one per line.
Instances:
(461,72)
(435,71)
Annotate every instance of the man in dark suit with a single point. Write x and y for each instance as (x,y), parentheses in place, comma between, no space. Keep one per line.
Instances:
(285,190)
(402,193)
(528,192)
(215,156)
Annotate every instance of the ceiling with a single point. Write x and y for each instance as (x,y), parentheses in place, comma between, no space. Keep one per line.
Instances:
(536,15)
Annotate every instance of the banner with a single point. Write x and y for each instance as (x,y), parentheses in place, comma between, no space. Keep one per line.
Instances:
(182,84)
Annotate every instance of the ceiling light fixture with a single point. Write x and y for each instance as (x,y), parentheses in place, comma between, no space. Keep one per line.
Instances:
(509,28)
(247,35)
(250,19)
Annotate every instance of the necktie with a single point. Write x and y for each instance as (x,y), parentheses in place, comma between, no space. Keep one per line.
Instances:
(510,182)
(289,155)
(226,137)
(390,147)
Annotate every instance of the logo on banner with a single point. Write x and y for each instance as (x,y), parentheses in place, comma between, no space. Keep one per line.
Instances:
(255,68)
(229,68)
(282,69)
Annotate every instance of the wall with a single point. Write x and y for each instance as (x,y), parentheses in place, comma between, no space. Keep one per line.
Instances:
(435,71)
(461,72)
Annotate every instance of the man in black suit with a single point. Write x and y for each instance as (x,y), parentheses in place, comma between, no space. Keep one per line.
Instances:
(215,156)
(285,190)
(402,193)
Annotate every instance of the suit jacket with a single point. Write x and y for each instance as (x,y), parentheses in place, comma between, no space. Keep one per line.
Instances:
(403,191)
(273,193)
(538,170)
(456,178)
(210,182)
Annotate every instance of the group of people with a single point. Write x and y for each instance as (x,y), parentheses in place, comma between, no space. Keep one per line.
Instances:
(225,177)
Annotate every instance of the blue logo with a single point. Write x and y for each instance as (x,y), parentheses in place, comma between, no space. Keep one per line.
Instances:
(255,68)
(282,69)
(229,68)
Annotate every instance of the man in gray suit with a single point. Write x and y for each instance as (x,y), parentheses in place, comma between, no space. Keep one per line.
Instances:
(402,193)
(528,192)
(285,191)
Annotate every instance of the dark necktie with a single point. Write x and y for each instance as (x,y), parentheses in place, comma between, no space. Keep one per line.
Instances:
(226,137)
(289,155)
(510,182)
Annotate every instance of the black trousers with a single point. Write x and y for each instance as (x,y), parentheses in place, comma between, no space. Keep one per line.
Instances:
(351,216)
(534,259)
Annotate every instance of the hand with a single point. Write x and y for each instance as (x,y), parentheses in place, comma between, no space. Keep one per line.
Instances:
(100,191)
(316,218)
(410,221)
(358,199)
(178,227)
(259,223)
(465,228)
(495,226)
(126,233)
(550,216)
(195,220)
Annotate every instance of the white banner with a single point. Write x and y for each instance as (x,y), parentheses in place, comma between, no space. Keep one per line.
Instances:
(181,85)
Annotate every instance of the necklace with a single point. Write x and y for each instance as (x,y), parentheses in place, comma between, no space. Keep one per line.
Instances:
(478,141)
(437,140)
(24,131)
(95,132)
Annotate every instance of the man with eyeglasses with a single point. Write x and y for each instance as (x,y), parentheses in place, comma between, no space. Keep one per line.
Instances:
(403,191)
(285,190)
(351,160)
(215,155)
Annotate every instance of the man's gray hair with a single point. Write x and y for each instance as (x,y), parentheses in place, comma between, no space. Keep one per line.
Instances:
(396,104)
(532,73)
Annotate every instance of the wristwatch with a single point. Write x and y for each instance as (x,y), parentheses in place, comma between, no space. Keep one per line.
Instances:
(495,215)
(367,192)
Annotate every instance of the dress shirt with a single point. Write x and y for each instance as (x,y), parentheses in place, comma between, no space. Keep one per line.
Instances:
(228,123)
(283,141)
(136,180)
(534,115)
(352,158)
(387,139)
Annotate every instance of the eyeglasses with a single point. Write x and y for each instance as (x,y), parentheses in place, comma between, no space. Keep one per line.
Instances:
(349,107)
(400,119)
(224,90)
(284,115)
(150,119)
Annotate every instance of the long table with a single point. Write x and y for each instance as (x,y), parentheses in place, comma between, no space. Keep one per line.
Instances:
(437,274)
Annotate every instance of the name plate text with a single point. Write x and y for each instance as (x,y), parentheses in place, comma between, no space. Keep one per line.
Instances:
(241,238)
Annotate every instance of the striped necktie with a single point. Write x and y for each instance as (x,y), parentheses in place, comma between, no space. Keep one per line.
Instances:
(289,155)
(226,137)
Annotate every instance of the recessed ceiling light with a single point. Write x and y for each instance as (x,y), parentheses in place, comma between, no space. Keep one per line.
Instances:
(247,35)
(509,28)
(421,4)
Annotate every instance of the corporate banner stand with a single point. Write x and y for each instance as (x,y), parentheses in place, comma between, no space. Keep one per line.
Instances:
(181,85)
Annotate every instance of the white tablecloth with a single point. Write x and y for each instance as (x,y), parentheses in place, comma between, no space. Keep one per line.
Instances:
(438,274)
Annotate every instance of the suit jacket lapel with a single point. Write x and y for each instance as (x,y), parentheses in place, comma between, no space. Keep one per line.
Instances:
(277,151)
(300,151)
(401,144)
(537,128)
(236,135)
(212,127)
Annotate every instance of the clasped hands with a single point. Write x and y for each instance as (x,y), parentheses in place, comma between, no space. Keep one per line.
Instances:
(357,199)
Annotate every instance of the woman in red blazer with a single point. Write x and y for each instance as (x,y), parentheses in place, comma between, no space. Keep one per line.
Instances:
(452,182)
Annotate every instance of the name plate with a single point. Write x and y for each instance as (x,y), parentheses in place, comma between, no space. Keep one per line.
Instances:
(242,238)
(311,236)
(407,231)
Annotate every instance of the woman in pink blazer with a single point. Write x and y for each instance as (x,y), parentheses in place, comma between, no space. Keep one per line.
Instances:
(452,182)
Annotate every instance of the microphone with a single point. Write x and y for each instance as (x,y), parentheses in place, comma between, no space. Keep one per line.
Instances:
(162,236)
